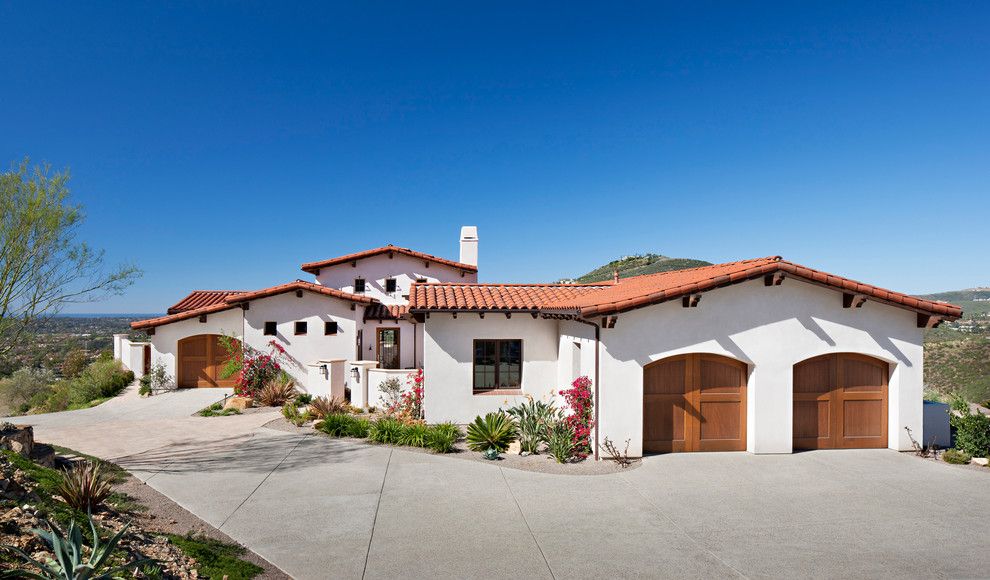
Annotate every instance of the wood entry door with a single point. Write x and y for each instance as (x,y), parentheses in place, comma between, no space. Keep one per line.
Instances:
(201,358)
(840,402)
(388,348)
(694,402)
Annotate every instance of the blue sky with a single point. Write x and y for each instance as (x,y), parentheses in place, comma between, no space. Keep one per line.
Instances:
(220,145)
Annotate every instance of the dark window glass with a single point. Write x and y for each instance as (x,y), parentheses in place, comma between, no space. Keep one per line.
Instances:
(390,285)
(271,329)
(300,327)
(421,280)
(359,285)
(497,364)
(329,327)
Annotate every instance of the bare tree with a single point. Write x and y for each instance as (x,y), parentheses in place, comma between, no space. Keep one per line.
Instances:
(43,267)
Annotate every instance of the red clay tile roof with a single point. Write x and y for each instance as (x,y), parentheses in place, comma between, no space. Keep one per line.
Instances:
(234,299)
(639,291)
(385,311)
(312,267)
(299,285)
(200,298)
(456,296)
(153,322)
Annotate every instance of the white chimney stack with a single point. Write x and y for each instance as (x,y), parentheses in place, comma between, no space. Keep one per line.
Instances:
(469,245)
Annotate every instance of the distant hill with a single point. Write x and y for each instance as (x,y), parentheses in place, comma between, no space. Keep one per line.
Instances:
(639,265)
(957,354)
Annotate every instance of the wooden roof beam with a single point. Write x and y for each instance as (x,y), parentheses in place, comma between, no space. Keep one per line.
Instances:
(850,300)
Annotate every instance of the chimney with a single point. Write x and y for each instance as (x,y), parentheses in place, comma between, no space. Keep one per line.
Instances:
(469,245)
(615,276)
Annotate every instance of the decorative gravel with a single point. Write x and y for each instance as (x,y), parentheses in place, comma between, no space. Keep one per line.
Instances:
(541,463)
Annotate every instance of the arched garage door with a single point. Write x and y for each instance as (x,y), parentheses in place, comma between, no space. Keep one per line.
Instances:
(840,402)
(201,358)
(694,402)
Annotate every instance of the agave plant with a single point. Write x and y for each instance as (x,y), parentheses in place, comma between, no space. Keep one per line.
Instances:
(320,407)
(560,441)
(534,418)
(493,431)
(84,487)
(70,563)
(277,391)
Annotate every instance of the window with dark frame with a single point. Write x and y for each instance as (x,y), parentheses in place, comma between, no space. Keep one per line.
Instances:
(271,328)
(358,285)
(390,285)
(422,280)
(497,364)
(329,327)
(300,327)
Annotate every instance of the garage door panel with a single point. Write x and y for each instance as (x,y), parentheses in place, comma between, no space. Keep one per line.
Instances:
(852,413)
(200,362)
(811,419)
(720,420)
(702,407)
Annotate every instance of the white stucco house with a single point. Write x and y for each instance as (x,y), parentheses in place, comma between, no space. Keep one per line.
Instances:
(760,355)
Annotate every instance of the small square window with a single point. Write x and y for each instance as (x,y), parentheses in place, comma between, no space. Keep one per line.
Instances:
(271,328)
(300,327)
(358,285)
(421,280)
(390,285)
(329,327)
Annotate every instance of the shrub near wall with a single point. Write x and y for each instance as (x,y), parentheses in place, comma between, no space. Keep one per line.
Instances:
(972,434)
(102,379)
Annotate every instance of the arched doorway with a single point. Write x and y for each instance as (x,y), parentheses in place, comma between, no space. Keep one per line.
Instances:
(694,402)
(840,402)
(200,361)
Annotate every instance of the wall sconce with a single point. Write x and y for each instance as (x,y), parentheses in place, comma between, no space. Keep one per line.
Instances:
(355,374)
(325,371)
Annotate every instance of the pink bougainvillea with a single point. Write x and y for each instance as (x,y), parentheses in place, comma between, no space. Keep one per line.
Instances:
(581,418)
(256,369)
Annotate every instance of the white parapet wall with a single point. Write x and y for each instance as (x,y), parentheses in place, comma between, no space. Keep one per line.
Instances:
(357,382)
(378,376)
(327,378)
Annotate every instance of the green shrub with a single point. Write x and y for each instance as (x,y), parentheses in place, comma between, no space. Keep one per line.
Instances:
(217,410)
(956,456)
(336,424)
(145,388)
(74,363)
(386,430)
(108,376)
(441,438)
(216,559)
(560,441)
(493,431)
(85,486)
(972,434)
(414,435)
(359,427)
(291,412)
(534,417)
(24,389)
(303,398)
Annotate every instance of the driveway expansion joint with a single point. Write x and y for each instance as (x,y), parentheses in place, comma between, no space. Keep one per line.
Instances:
(526,521)
(374,521)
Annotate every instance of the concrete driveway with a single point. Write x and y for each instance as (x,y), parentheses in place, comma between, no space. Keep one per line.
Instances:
(322,508)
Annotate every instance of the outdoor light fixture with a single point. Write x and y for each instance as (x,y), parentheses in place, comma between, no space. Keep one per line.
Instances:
(325,371)
(355,375)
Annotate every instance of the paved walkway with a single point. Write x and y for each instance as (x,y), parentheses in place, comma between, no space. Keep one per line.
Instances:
(321,508)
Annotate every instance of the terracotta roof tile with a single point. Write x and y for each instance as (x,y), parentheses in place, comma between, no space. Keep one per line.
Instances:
(200,298)
(234,299)
(457,296)
(639,291)
(312,267)
(385,311)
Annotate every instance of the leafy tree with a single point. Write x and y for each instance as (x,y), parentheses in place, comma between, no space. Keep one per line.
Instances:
(73,363)
(43,266)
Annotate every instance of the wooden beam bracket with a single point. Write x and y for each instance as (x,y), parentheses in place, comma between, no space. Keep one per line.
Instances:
(202,318)
(775,279)
(927,321)
(850,300)
(691,301)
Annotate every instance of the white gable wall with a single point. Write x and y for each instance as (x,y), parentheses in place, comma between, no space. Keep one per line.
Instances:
(771,329)
(448,368)
(376,269)
(315,309)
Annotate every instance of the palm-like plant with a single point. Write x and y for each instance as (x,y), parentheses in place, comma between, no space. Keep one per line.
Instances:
(70,562)
(493,431)
(84,486)
(277,391)
(534,418)
(320,407)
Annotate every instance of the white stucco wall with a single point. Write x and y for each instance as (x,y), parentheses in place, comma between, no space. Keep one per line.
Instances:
(165,341)
(410,341)
(314,309)
(405,269)
(771,329)
(448,368)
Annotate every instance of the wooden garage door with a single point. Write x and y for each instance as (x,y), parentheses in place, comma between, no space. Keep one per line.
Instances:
(200,360)
(694,402)
(840,402)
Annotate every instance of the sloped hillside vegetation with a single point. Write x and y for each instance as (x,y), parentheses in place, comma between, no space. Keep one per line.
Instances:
(639,265)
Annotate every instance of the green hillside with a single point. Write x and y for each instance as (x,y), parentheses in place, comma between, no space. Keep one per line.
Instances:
(639,265)
(957,354)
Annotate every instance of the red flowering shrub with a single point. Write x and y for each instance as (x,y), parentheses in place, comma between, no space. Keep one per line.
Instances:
(580,400)
(409,405)
(257,369)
